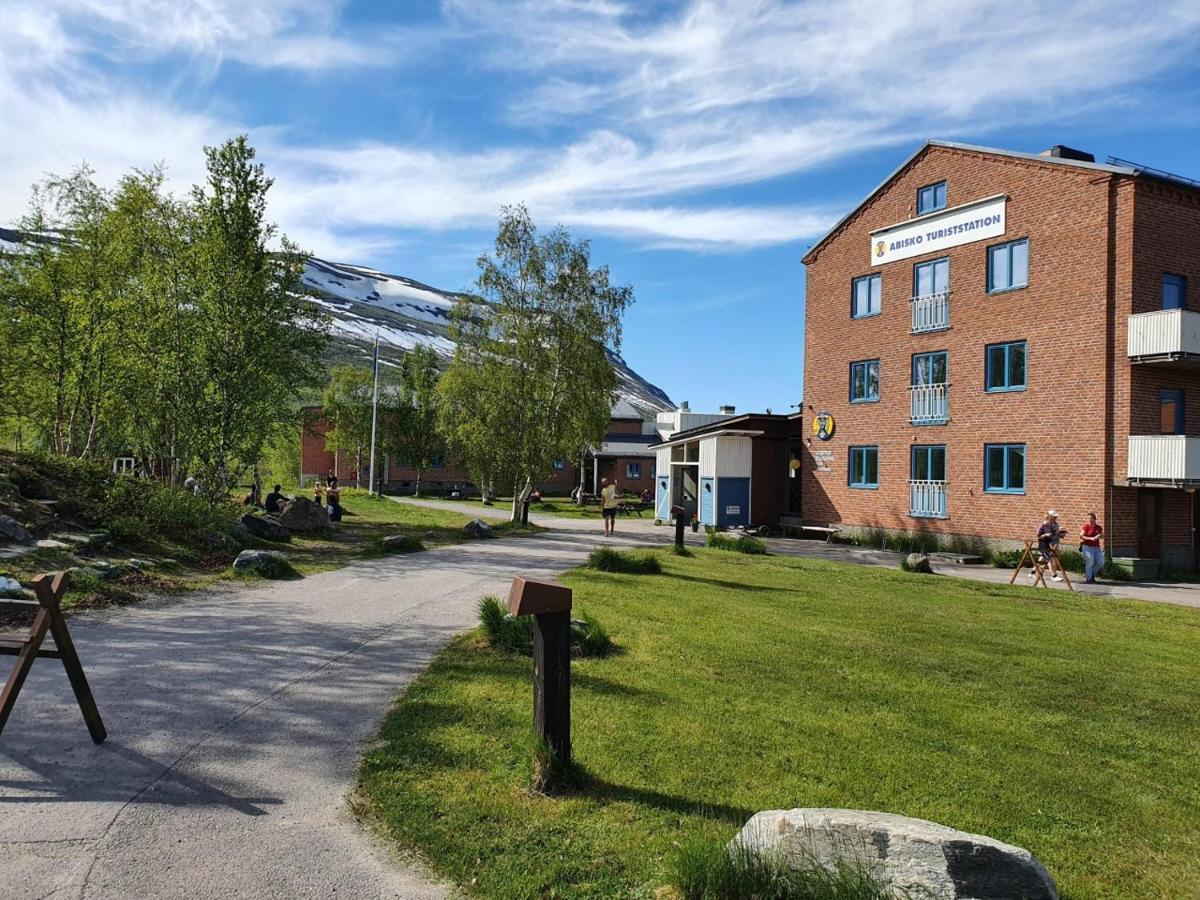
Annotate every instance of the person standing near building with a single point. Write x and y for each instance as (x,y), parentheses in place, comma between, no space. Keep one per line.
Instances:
(1090,536)
(608,505)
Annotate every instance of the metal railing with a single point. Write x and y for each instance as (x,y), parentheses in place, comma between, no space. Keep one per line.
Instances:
(927,499)
(930,312)
(929,404)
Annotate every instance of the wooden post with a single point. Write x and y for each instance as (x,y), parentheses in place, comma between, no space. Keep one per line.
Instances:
(550,606)
(678,512)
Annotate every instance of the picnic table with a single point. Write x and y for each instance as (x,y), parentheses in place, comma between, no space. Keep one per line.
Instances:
(629,507)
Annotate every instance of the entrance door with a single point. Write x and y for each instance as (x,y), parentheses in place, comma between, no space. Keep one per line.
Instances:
(1149,524)
(686,488)
(662,508)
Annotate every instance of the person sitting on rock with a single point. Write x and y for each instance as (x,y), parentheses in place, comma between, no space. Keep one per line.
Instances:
(275,500)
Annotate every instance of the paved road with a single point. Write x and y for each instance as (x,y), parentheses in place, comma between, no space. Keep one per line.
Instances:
(236,719)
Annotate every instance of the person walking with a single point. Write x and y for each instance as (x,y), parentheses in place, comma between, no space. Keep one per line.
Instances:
(608,505)
(1090,536)
(1048,537)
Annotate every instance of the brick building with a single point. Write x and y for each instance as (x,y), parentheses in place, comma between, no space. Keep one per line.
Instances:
(624,455)
(991,334)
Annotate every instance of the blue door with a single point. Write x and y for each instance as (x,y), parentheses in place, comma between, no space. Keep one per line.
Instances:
(706,502)
(735,502)
(662,503)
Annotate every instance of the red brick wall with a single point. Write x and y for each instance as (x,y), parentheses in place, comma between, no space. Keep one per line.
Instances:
(625,426)
(1064,213)
(615,469)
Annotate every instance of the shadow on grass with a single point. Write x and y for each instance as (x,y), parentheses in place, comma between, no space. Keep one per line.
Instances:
(578,782)
(730,585)
(606,686)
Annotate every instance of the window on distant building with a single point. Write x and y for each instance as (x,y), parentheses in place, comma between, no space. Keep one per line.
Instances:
(864,381)
(633,471)
(866,296)
(1174,291)
(1008,266)
(1004,468)
(864,467)
(1171,412)
(931,197)
(931,277)
(559,464)
(1005,364)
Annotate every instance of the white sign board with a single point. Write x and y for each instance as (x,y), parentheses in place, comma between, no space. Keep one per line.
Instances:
(733,510)
(974,221)
(823,459)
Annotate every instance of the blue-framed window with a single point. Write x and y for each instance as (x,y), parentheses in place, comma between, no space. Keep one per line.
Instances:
(864,467)
(633,471)
(931,277)
(864,381)
(931,197)
(1008,266)
(559,464)
(1171,412)
(866,296)
(931,368)
(1004,366)
(1174,291)
(1004,468)
(928,462)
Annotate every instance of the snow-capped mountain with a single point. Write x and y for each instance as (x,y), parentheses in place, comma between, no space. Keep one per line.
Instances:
(363,302)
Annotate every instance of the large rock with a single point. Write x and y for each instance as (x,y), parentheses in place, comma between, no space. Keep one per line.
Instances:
(266,528)
(13,589)
(14,530)
(918,562)
(305,516)
(926,859)
(265,563)
(478,528)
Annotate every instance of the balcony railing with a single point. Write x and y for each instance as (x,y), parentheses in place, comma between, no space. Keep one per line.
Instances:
(1165,335)
(929,404)
(930,312)
(927,499)
(1164,458)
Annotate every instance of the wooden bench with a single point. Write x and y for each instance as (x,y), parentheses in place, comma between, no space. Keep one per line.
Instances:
(791,524)
(629,508)
(27,647)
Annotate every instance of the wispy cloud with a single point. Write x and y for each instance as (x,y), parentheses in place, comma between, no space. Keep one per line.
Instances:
(642,110)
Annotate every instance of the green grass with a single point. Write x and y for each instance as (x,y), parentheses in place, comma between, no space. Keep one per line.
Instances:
(1060,722)
(515,633)
(743,543)
(631,562)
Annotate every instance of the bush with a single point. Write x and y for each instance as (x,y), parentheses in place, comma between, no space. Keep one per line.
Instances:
(741,544)
(515,633)
(642,562)
(711,871)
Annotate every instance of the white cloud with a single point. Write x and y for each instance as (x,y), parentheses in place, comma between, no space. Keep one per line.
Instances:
(650,107)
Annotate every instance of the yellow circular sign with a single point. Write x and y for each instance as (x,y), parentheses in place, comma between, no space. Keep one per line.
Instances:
(823,426)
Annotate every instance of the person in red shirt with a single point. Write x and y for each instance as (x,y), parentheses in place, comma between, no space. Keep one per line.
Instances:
(1089,544)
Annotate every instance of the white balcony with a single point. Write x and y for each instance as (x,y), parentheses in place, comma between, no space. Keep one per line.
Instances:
(930,312)
(1164,459)
(928,404)
(927,499)
(1165,335)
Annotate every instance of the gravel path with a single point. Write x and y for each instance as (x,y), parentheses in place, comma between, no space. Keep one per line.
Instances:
(236,719)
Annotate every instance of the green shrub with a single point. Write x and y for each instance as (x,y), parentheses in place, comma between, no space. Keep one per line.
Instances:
(706,870)
(1006,559)
(740,544)
(273,569)
(629,562)
(515,633)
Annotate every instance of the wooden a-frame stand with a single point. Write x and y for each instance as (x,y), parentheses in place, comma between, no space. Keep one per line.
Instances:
(28,647)
(1040,566)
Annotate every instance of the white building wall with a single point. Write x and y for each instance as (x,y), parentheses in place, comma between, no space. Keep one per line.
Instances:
(733,455)
(708,457)
(662,461)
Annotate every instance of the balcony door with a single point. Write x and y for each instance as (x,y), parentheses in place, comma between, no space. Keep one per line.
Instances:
(931,278)
(930,368)
(1149,524)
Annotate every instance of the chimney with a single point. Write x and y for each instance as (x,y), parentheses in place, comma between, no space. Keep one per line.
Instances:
(683,406)
(728,410)
(1062,151)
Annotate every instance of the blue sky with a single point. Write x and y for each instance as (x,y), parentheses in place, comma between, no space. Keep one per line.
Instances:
(701,146)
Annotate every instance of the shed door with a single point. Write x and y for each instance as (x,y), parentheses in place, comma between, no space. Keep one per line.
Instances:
(707,492)
(734,508)
(662,500)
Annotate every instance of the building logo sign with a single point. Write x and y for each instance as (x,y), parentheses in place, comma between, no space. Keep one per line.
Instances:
(823,426)
(974,221)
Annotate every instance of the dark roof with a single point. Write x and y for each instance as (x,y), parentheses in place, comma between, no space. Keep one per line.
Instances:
(773,424)
(972,148)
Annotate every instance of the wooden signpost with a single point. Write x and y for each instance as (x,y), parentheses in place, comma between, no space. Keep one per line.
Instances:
(28,647)
(550,606)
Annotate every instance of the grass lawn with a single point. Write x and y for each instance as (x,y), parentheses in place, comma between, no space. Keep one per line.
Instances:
(1065,724)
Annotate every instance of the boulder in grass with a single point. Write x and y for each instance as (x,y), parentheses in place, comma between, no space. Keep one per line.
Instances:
(12,589)
(918,562)
(304,516)
(478,528)
(265,564)
(266,528)
(13,530)
(911,856)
